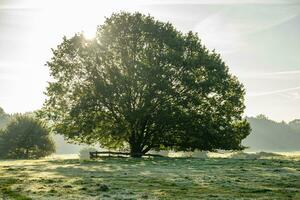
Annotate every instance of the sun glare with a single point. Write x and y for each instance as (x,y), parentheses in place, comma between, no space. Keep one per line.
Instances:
(89,33)
(70,17)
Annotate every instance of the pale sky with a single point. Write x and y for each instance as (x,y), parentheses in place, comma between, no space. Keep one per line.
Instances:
(258,39)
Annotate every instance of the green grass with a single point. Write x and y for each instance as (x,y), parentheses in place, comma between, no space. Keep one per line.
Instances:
(7,192)
(158,178)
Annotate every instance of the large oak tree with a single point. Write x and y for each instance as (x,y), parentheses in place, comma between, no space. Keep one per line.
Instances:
(142,84)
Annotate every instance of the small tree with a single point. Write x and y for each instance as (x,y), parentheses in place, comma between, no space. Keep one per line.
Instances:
(25,138)
(144,84)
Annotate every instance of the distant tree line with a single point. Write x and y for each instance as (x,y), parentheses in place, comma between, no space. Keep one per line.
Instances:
(4,118)
(269,135)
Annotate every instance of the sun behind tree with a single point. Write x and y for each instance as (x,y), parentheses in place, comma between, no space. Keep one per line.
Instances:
(141,83)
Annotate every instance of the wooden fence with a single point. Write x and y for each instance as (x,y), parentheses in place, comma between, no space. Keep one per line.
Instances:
(98,154)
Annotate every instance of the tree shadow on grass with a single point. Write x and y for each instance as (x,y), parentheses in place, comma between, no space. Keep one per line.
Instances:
(172,178)
(127,175)
(7,193)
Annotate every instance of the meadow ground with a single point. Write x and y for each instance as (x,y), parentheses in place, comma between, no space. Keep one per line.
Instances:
(239,177)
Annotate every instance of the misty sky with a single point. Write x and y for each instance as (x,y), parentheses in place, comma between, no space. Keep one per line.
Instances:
(258,39)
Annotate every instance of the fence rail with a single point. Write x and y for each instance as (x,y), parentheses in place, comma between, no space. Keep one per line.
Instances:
(98,154)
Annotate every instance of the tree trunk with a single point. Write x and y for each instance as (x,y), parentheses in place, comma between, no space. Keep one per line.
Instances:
(137,145)
(135,150)
(27,153)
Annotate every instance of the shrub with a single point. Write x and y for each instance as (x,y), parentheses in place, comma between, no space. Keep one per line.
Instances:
(25,138)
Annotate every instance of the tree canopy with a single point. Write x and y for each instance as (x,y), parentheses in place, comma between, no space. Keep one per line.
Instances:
(142,84)
(26,138)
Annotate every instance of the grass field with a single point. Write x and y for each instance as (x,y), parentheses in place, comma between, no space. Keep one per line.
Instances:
(158,178)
